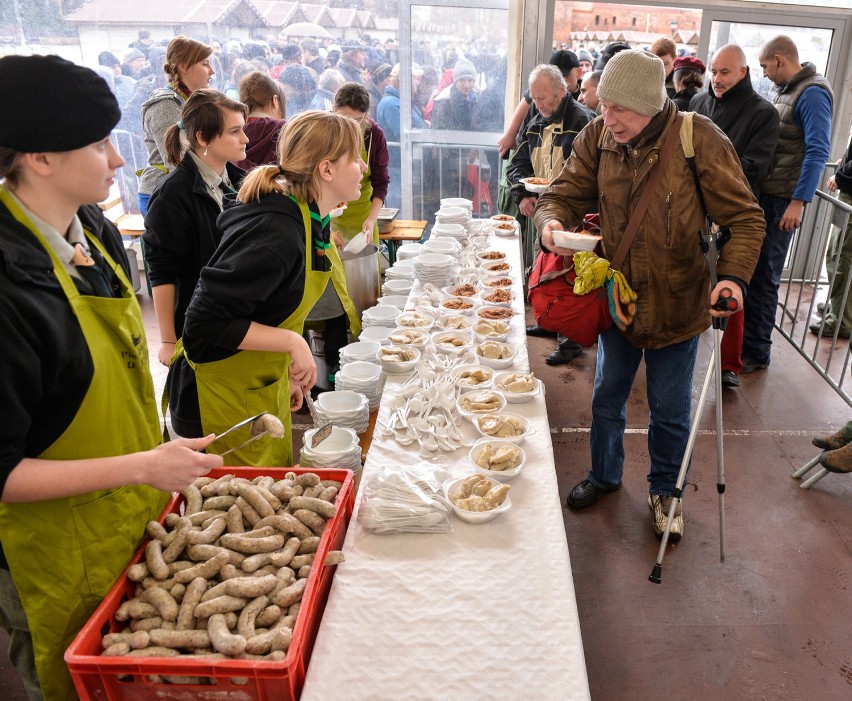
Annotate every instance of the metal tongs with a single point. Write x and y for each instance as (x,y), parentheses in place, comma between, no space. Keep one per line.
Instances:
(254,433)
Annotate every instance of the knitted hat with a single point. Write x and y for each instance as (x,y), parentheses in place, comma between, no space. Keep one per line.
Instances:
(608,52)
(380,73)
(32,123)
(464,69)
(134,55)
(564,60)
(695,64)
(636,81)
(416,71)
(583,55)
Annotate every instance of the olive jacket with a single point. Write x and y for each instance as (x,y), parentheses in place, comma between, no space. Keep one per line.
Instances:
(664,265)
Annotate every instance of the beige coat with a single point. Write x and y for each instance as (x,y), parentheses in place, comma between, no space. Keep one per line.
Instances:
(665,265)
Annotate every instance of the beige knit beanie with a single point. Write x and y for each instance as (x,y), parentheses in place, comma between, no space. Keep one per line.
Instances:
(636,81)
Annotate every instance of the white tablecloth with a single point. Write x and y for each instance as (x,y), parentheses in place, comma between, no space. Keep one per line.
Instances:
(485,612)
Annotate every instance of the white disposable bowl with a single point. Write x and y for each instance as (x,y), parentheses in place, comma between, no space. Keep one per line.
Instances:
(398,287)
(517,440)
(505,268)
(452,488)
(341,401)
(465,336)
(503,313)
(397,366)
(339,442)
(483,298)
(417,338)
(408,250)
(482,337)
(415,320)
(489,282)
(466,387)
(381,315)
(432,260)
(455,231)
(575,241)
(497,363)
(456,202)
(452,291)
(460,305)
(362,372)
(446,246)
(499,475)
(468,396)
(516,397)
(398,301)
(379,334)
(504,228)
(503,219)
(490,256)
(454,322)
(361,350)
(401,270)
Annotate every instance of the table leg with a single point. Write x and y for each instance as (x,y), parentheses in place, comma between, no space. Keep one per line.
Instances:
(391,251)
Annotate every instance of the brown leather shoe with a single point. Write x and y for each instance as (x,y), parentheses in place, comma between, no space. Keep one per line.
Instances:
(839,460)
(831,441)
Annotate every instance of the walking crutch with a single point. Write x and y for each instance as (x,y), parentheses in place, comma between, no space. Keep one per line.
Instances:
(711,243)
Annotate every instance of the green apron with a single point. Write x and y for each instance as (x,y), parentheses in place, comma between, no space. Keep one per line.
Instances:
(250,382)
(351,222)
(65,554)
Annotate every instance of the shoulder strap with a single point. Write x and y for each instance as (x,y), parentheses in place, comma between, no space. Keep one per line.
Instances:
(647,192)
(689,151)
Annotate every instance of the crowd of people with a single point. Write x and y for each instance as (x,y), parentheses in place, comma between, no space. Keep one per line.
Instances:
(237,196)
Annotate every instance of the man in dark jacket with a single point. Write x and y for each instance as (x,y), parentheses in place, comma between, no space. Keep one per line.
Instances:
(545,145)
(752,124)
(838,259)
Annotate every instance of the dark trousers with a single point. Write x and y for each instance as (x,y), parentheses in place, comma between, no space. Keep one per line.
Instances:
(762,299)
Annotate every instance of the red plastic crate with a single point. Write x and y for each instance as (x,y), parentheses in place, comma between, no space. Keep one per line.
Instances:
(97,677)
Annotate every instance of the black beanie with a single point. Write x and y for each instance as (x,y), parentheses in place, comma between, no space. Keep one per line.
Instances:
(57,105)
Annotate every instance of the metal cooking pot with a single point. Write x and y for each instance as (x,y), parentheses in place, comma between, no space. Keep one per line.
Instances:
(362,276)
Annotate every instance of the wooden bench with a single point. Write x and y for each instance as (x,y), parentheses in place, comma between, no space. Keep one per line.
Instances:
(404,230)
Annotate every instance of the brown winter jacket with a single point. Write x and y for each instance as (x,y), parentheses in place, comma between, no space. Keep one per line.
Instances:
(665,265)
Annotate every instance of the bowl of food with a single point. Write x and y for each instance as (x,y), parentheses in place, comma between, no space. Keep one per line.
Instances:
(483,256)
(504,228)
(493,268)
(454,322)
(576,240)
(485,330)
(496,354)
(465,290)
(452,342)
(471,377)
(503,219)
(396,359)
(480,403)
(415,320)
(497,297)
(536,185)
(512,427)
(477,498)
(417,338)
(491,313)
(458,305)
(497,458)
(492,281)
(338,210)
(517,387)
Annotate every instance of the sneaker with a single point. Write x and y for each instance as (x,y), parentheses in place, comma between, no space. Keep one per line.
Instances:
(659,506)
(827,329)
(730,379)
(839,460)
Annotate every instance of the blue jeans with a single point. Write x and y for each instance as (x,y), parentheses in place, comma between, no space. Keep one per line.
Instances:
(669,378)
(763,288)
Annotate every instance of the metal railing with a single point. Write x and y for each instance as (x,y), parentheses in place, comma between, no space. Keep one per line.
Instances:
(805,283)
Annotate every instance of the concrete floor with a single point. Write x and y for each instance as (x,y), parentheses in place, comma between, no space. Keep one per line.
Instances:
(772,621)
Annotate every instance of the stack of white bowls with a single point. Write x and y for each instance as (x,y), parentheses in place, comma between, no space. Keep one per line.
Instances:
(340,450)
(367,351)
(398,301)
(436,268)
(462,202)
(377,334)
(362,377)
(403,270)
(448,246)
(450,231)
(407,251)
(380,315)
(344,408)
(453,215)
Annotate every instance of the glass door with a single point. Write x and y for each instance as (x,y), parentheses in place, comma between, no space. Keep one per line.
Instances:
(451,91)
